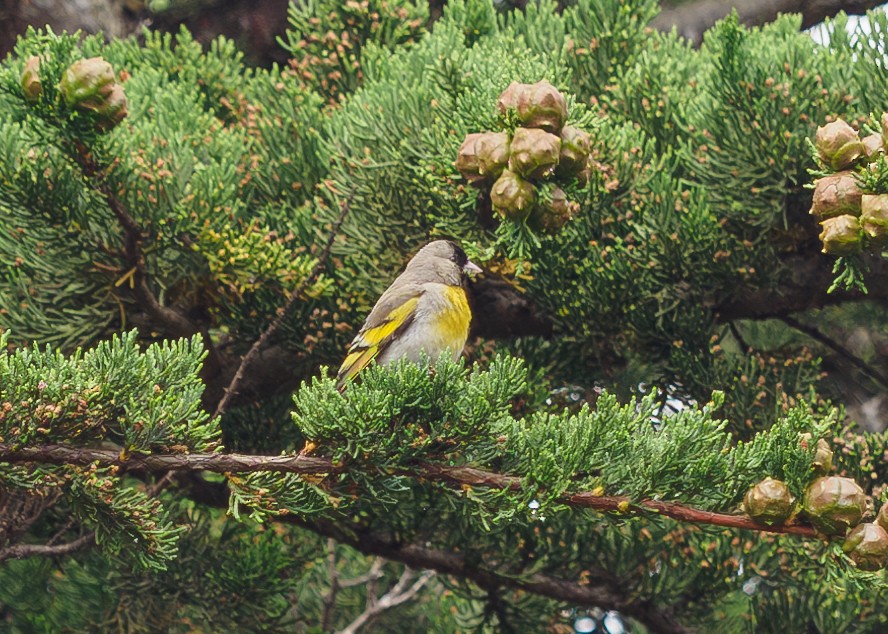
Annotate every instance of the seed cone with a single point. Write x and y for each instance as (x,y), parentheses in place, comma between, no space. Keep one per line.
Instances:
(867,546)
(493,153)
(841,235)
(823,458)
(874,217)
(538,105)
(834,504)
(838,144)
(836,195)
(512,196)
(534,153)
(89,84)
(882,517)
(515,97)
(483,156)
(769,502)
(576,145)
(467,161)
(31,84)
(551,216)
(873,147)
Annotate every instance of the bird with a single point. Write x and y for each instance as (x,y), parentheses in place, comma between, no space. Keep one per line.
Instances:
(424,311)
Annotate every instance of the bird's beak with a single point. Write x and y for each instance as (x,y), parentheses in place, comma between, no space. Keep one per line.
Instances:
(471,267)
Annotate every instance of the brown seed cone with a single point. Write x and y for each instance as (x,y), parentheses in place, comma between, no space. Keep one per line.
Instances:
(512,196)
(836,195)
(867,546)
(534,153)
(882,517)
(838,144)
(515,97)
(576,145)
(483,156)
(467,161)
(823,458)
(873,147)
(31,84)
(538,105)
(841,235)
(769,502)
(834,504)
(874,217)
(492,149)
(550,217)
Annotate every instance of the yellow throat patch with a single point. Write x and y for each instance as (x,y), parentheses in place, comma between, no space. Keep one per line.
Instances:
(453,324)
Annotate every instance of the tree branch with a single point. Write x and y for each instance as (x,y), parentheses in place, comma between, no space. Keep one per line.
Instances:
(462,476)
(692,19)
(599,590)
(836,347)
(171,321)
(329,600)
(20,551)
(273,327)
(811,276)
(373,574)
(394,597)
(213,462)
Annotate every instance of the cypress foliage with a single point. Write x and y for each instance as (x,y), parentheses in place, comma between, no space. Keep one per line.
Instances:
(689,349)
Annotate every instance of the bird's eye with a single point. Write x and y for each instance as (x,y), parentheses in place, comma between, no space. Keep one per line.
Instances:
(459,256)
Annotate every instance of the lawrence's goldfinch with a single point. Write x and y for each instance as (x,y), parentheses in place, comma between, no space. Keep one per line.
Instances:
(424,311)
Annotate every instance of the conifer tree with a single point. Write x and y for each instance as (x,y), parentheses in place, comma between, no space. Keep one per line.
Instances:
(656,411)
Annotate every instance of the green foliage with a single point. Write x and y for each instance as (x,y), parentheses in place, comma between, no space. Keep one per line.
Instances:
(327,39)
(146,401)
(398,416)
(227,575)
(667,376)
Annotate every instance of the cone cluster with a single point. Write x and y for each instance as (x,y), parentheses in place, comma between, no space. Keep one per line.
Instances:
(86,85)
(834,505)
(524,169)
(850,219)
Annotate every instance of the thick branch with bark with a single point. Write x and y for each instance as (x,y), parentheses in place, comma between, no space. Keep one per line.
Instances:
(20,551)
(309,465)
(600,589)
(255,24)
(692,19)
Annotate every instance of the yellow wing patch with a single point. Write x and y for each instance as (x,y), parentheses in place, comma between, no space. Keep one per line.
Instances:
(370,342)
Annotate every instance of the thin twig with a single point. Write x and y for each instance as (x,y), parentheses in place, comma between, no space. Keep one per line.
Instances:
(373,574)
(282,313)
(461,476)
(20,551)
(738,336)
(394,597)
(332,574)
(173,322)
(835,346)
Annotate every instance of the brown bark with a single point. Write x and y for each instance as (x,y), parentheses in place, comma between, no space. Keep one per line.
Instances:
(461,476)
(692,19)
(255,24)
(601,589)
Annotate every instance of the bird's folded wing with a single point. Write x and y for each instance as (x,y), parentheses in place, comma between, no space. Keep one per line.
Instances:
(389,318)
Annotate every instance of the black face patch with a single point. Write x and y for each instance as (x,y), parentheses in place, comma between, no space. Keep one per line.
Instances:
(459,256)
